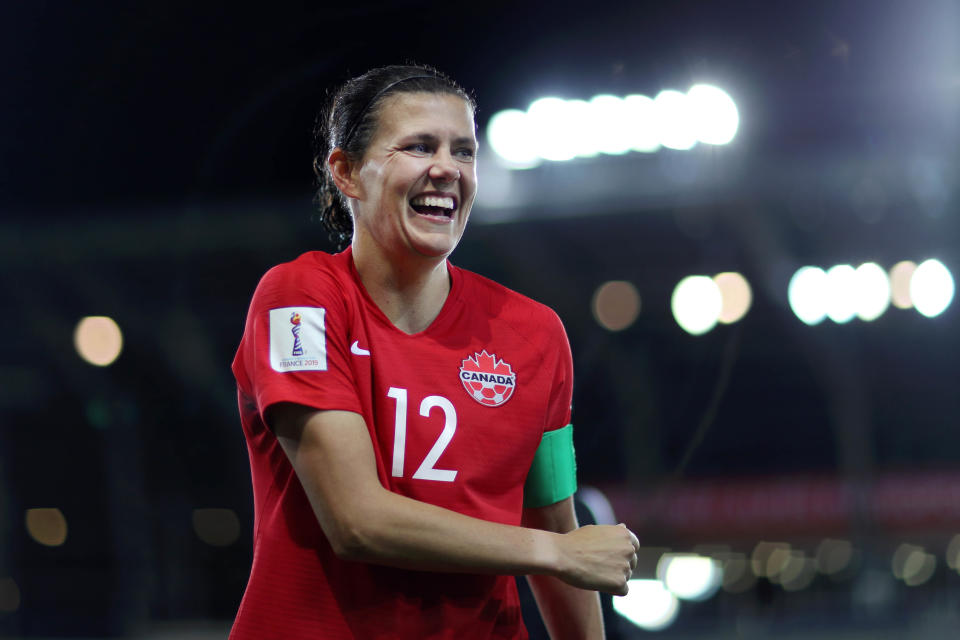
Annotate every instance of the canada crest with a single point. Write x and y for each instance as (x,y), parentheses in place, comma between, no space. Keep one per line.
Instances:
(487,380)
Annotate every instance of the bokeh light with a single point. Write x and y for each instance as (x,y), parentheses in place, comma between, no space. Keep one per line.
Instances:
(798,572)
(47,526)
(738,576)
(841,293)
(912,564)
(931,288)
(871,291)
(616,305)
(806,294)
(696,304)
(900,275)
(9,595)
(735,295)
(953,553)
(833,556)
(98,340)
(690,576)
(216,527)
(648,604)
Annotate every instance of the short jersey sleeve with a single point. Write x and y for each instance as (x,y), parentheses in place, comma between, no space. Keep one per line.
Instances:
(561,389)
(294,347)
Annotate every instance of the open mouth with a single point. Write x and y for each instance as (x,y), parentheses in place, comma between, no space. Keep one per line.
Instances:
(434,205)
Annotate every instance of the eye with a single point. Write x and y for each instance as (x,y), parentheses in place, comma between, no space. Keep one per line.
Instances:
(465,153)
(417,147)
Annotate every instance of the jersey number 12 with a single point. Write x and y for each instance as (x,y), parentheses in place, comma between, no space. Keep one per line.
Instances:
(427,470)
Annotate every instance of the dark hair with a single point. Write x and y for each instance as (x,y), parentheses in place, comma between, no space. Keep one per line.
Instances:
(349,119)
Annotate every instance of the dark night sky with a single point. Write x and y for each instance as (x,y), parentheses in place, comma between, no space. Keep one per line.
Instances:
(161,102)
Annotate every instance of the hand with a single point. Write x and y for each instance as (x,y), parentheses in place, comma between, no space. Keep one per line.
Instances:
(598,557)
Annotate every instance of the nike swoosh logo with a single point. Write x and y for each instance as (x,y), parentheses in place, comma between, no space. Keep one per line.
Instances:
(356,350)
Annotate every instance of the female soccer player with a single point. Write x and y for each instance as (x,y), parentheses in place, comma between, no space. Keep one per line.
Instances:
(408,421)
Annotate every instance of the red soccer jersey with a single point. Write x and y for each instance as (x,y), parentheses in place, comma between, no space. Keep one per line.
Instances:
(455,414)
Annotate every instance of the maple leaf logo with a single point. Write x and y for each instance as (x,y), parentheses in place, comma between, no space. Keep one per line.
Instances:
(489,381)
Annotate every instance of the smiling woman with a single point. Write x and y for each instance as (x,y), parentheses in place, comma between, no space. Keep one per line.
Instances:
(407,421)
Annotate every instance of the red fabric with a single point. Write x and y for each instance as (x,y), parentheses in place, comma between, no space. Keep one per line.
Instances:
(298,588)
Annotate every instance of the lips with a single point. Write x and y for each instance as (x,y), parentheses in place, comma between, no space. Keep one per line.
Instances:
(434,205)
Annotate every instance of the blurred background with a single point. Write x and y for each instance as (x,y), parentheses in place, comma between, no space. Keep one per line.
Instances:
(750,235)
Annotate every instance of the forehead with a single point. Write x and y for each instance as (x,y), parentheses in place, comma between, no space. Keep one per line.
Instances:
(421,112)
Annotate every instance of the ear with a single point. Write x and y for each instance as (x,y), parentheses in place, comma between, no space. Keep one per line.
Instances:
(342,171)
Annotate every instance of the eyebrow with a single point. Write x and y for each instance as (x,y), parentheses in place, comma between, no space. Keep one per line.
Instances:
(433,138)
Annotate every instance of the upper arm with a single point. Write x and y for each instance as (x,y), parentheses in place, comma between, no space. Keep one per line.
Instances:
(332,455)
(558,517)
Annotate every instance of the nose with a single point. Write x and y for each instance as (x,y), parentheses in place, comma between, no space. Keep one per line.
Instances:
(444,169)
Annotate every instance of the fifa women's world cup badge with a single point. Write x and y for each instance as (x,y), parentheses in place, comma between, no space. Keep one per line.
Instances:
(487,380)
(298,339)
(295,330)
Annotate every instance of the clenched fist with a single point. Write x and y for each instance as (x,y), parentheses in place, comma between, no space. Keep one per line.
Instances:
(598,557)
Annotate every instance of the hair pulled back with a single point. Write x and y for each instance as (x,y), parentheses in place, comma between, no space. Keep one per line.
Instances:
(349,120)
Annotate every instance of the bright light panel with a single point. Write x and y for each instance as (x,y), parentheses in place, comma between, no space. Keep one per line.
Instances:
(931,288)
(648,604)
(696,304)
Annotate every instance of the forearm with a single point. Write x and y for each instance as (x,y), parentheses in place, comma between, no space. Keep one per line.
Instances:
(387,528)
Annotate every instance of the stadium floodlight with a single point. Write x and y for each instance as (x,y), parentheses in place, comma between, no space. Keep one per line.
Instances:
(509,135)
(806,294)
(931,288)
(550,120)
(556,129)
(581,134)
(648,604)
(714,114)
(674,120)
(609,117)
(641,124)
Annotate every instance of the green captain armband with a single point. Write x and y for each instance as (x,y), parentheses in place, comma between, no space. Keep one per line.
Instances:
(553,474)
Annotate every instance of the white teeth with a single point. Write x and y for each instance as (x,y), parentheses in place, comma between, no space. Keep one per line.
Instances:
(444,202)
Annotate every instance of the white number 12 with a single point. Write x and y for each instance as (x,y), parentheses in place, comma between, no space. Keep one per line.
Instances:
(426,471)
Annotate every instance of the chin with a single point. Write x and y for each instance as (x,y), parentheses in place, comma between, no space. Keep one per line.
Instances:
(434,247)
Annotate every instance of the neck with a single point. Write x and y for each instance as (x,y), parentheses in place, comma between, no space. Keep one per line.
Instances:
(409,292)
